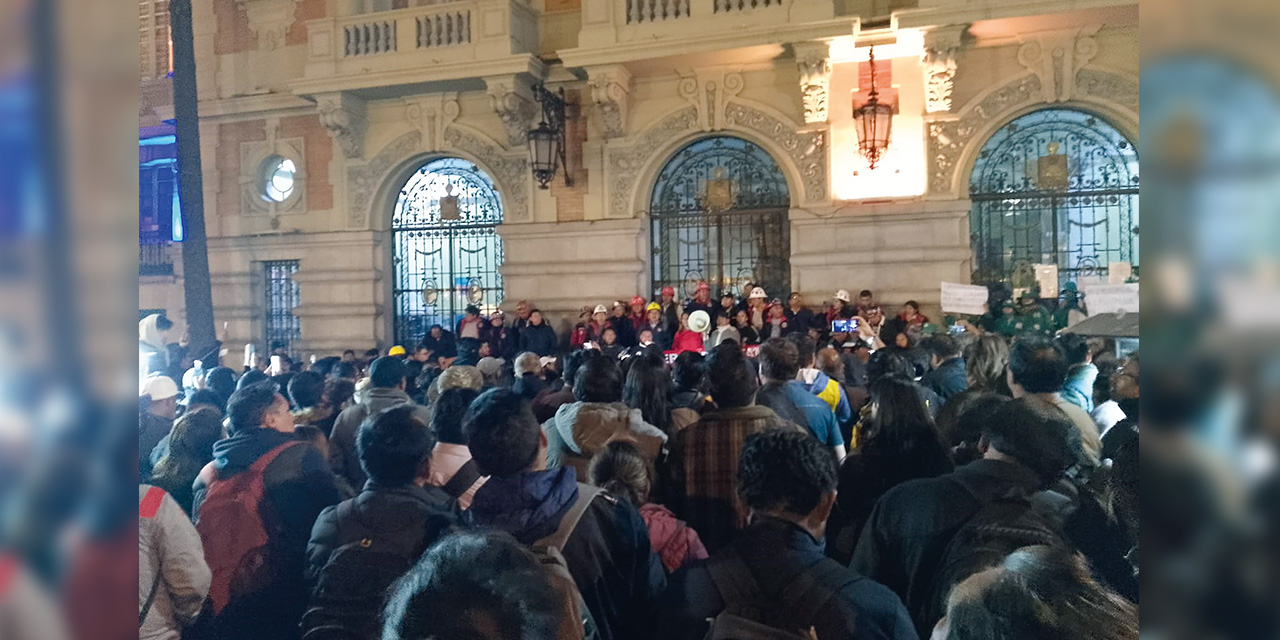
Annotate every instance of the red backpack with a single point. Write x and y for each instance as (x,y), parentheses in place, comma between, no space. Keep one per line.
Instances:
(231,528)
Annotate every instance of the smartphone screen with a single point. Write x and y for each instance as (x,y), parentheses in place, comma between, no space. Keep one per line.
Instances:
(844,326)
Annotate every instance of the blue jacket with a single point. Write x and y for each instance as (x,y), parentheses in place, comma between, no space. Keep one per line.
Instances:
(833,395)
(1078,389)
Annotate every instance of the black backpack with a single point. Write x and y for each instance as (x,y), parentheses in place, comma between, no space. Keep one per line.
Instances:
(351,588)
(748,616)
(1000,527)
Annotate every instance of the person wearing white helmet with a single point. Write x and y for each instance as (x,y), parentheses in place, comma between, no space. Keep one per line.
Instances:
(840,309)
(757,312)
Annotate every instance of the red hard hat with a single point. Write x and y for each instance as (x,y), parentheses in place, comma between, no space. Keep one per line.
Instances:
(668,290)
(637,300)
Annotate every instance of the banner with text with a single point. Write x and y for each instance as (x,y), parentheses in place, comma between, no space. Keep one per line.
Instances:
(1111,298)
(964,298)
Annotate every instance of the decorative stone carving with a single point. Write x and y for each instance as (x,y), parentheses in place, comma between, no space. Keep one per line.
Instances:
(949,138)
(512,99)
(807,150)
(1056,57)
(431,115)
(708,91)
(1113,87)
(509,170)
(346,118)
(815,79)
(363,180)
(269,20)
(610,89)
(625,164)
(939,61)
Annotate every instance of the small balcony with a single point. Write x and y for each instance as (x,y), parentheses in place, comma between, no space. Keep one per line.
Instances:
(616,31)
(155,257)
(448,40)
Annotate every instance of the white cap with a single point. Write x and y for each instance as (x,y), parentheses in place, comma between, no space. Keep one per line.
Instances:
(699,321)
(600,309)
(159,388)
(757,292)
(842,295)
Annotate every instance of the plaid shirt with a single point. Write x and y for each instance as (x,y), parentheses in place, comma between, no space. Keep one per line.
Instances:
(704,459)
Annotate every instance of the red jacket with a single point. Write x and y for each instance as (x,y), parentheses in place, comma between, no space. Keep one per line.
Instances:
(674,542)
(686,340)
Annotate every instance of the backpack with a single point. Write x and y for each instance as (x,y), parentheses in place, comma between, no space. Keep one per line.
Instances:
(351,588)
(998,528)
(548,552)
(748,615)
(463,479)
(232,530)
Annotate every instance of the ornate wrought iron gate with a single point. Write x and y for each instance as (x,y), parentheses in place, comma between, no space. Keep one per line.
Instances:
(1055,186)
(281,327)
(446,249)
(719,213)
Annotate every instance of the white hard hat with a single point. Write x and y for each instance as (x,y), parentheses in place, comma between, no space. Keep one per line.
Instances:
(699,321)
(159,388)
(842,295)
(757,292)
(600,309)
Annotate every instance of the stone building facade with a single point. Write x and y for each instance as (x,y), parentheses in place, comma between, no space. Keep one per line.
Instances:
(360,94)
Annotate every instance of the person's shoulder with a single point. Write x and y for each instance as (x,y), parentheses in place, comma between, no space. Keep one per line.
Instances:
(909,493)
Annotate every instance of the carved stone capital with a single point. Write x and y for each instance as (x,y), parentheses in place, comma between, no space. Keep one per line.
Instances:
(709,92)
(939,61)
(269,20)
(1056,57)
(431,115)
(812,59)
(610,91)
(346,118)
(511,97)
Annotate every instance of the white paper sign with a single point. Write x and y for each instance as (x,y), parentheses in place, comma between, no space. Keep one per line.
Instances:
(1047,278)
(1119,272)
(1111,298)
(964,298)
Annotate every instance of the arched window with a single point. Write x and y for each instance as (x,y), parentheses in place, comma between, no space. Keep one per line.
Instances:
(1055,186)
(446,249)
(719,213)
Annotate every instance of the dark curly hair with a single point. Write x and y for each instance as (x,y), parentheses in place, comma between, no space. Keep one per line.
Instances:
(784,469)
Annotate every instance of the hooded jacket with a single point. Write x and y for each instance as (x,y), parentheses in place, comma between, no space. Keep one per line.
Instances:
(297,487)
(607,554)
(170,557)
(1078,388)
(831,392)
(579,430)
(342,442)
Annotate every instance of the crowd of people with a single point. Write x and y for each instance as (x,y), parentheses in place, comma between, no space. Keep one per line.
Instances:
(719,469)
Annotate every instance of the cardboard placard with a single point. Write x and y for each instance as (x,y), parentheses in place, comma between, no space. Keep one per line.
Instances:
(1111,298)
(964,298)
(1119,272)
(1047,278)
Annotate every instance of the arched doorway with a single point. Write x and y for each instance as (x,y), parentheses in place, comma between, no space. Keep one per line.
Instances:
(1055,186)
(446,251)
(718,213)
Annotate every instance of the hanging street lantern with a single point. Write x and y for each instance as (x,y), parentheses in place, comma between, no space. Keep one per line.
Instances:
(874,121)
(546,142)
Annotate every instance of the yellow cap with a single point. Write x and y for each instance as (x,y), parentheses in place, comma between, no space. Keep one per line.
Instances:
(653,306)
(396,351)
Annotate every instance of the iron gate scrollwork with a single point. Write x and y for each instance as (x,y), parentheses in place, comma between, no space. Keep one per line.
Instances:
(281,328)
(1055,186)
(718,213)
(446,248)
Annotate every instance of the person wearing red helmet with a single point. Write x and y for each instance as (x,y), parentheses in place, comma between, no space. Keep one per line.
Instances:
(701,300)
(638,317)
(670,310)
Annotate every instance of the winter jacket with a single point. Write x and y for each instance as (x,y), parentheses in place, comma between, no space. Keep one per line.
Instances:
(1078,389)
(529,385)
(671,317)
(171,558)
(625,331)
(709,306)
(607,554)
(343,457)
(465,325)
(446,346)
(675,543)
(399,520)
(539,339)
(1089,437)
(151,430)
(749,335)
(798,321)
(774,328)
(686,340)
(776,553)
(831,392)
(579,430)
(298,486)
(501,340)
(704,468)
(661,336)
(793,402)
(903,542)
(720,335)
(949,379)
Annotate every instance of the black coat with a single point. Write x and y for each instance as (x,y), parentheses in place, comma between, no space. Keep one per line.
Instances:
(949,379)
(539,339)
(625,331)
(298,486)
(908,532)
(443,347)
(402,521)
(776,552)
(799,321)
